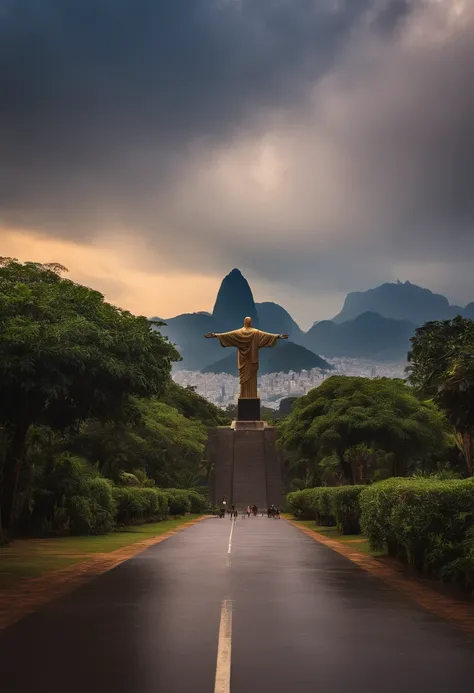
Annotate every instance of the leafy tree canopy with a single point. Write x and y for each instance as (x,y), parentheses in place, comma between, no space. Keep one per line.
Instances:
(441,366)
(191,405)
(351,425)
(66,356)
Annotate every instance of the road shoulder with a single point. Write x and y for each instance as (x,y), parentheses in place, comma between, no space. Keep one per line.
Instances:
(458,612)
(30,594)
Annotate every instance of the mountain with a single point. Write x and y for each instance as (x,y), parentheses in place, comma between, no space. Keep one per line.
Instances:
(398,301)
(374,324)
(274,318)
(368,335)
(282,358)
(187,332)
(234,302)
(468,311)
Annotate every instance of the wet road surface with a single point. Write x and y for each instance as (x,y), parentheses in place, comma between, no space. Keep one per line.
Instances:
(297,617)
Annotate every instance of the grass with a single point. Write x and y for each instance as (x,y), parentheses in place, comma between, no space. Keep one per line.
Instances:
(28,558)
(356,541)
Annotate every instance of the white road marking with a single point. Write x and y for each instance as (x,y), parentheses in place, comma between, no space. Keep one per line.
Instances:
(224,648)
(231,533)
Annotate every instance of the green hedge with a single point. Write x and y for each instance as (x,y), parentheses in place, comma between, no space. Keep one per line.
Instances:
(329,506)
(300,505)
(95,511)
(75,499)
(136,505)
(426,523)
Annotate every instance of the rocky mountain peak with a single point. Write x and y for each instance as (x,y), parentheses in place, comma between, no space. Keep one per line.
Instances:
(234,302)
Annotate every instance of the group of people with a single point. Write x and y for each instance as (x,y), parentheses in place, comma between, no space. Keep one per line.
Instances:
(272,511)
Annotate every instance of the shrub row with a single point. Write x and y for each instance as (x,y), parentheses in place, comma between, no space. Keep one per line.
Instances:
(97,507)
(135,505)
(328,506)
(426,523)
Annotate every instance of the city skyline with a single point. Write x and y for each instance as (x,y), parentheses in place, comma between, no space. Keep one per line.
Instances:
(223,389)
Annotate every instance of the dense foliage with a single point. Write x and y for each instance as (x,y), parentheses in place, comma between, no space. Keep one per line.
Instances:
(87,402)
(328,506)
(441,366)
(427,523)
(357,430)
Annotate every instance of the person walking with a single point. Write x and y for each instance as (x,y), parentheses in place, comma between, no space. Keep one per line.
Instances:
(248,510)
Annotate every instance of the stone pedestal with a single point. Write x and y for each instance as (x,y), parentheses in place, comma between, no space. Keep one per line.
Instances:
(248,409)
(247,467)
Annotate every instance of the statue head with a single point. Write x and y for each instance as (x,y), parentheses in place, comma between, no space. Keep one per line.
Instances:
(248,322)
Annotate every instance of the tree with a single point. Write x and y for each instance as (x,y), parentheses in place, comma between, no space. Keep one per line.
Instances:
(66,356)
(191,405)
(350,427)
(441,366)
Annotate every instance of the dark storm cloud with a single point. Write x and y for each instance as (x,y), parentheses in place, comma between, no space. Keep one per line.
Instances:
(392,14)
(139,114)
(88,87)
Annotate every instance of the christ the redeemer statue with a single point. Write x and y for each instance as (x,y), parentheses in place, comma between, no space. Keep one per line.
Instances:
(248,341)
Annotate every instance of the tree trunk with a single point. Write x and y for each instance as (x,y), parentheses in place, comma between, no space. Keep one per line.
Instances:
(11,476)
(347,470)
(466,443)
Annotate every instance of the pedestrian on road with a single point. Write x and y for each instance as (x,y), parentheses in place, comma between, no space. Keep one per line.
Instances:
(248,510)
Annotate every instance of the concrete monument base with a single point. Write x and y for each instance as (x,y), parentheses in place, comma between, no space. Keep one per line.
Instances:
(248,409)
(247,468)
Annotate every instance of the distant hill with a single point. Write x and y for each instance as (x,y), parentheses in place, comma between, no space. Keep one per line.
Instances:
(274,318)
(187,333)
(234,302)
(398,301)
(369,335)
(468,311)
(282,358)
(377,324)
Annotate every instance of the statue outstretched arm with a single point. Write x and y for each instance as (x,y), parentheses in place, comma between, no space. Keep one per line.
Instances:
(226,339)
(267,339)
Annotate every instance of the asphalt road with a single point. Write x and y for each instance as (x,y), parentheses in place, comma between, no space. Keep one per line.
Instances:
(293,615)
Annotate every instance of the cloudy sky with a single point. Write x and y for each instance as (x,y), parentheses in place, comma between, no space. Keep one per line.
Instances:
(321,146)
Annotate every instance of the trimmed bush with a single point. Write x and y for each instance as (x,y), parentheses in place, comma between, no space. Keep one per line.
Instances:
(329,506)
(424,522)
(299,504)
(199,504)
(102,508)
(344,507)
(179,502)
(136,505)
(74,500)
